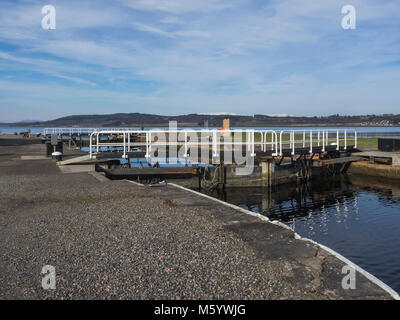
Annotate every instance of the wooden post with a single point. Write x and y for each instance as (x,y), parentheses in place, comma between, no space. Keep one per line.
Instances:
(264,173)
(271,172)
(221,176)
(268,172)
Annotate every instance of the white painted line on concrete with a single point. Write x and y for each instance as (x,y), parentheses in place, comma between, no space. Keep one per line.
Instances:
(365,273)
(76,168)
(35,158)
(134,182)
(73,160)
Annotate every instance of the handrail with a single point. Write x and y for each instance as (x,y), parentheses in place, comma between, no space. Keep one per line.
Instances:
(214,135)
(316,138)
(309,139)
(77,130)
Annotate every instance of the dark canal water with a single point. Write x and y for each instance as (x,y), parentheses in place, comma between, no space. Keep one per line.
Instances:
(356,216)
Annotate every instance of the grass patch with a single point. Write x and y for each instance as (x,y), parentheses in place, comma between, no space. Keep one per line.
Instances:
(368,143)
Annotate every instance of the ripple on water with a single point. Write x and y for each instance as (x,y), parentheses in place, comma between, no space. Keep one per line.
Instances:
(359,221)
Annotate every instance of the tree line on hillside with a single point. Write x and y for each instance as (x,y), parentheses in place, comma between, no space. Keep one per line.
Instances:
(140,119)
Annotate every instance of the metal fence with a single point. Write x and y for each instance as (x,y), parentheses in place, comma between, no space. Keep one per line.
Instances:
(251,140)
(77,131)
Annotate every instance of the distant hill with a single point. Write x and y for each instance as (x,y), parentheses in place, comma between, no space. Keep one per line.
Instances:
(214,120)
(23,122)
(30,121)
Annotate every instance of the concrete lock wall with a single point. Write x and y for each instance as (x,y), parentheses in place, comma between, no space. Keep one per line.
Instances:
(377,170)
(267,173)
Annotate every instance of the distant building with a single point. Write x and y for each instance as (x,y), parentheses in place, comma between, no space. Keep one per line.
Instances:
(226,124)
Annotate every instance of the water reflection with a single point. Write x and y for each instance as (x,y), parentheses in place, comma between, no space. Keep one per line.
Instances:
(355,215)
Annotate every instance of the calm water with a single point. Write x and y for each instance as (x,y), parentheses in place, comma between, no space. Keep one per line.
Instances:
(356,216)
(393,132)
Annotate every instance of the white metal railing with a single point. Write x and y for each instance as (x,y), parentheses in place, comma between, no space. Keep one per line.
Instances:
(316,138)
(67,131)
(265,140)
(213,139)
(77,130)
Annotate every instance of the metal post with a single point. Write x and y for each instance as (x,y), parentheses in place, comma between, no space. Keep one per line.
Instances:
(150,144)
(129,141)
(293,142)
(337,139)
(214,145)
(124,154)
(90,145)
(147,145)
(355,139)
(262,142)
(186,149)
(252,144)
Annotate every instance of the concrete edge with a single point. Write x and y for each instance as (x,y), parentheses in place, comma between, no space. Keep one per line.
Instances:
(365,273)
(73,160)
(34,157)
(77,169)
(99,176)
(134,182)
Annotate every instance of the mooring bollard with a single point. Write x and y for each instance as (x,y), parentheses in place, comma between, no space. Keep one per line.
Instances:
(56,156)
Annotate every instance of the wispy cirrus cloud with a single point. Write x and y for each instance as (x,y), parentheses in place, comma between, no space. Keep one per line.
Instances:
(180,6)
(171,20)
(213,54)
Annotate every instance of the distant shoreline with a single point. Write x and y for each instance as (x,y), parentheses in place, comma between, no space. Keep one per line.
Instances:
(195,120)
(198,126)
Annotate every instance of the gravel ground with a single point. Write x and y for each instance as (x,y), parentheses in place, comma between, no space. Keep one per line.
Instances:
(118,240)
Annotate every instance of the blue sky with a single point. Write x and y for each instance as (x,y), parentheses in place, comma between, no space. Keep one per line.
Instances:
(190,56)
